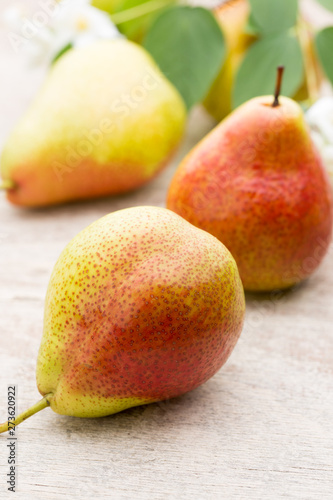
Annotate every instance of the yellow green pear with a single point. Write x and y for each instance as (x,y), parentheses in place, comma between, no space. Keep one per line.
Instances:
(141,306)
(106,121)
(144,13)
(232,17)
(108,5)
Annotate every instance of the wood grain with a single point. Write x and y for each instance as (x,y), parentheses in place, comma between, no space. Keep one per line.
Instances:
(261,428)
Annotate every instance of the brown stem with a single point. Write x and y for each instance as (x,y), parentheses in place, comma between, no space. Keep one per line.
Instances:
(280,70)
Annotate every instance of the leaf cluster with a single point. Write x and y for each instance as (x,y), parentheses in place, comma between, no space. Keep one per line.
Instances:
(190,47)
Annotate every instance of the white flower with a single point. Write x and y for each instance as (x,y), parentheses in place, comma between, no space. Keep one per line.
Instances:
(55,25)
(320,120)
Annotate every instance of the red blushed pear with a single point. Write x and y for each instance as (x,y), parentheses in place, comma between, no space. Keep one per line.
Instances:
(141,306)
(258,184)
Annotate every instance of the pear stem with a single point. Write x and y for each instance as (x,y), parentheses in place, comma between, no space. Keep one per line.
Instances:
(7,184)
(278,86)
(139,10)
(43,403)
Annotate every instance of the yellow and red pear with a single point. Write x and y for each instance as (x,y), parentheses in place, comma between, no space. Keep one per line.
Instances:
(106,121)
(258,184)
(141,306)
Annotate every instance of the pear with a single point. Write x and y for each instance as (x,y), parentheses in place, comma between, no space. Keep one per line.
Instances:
(232,17)
(143,15)
(141,306)
(105,122)
(258,184)
(110,6)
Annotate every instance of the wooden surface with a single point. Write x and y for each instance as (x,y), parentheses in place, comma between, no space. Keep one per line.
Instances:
(260,429)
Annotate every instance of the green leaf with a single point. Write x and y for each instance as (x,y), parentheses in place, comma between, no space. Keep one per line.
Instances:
(328,4)
(188,45)
(324,46)
(274,16)
(257,73)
